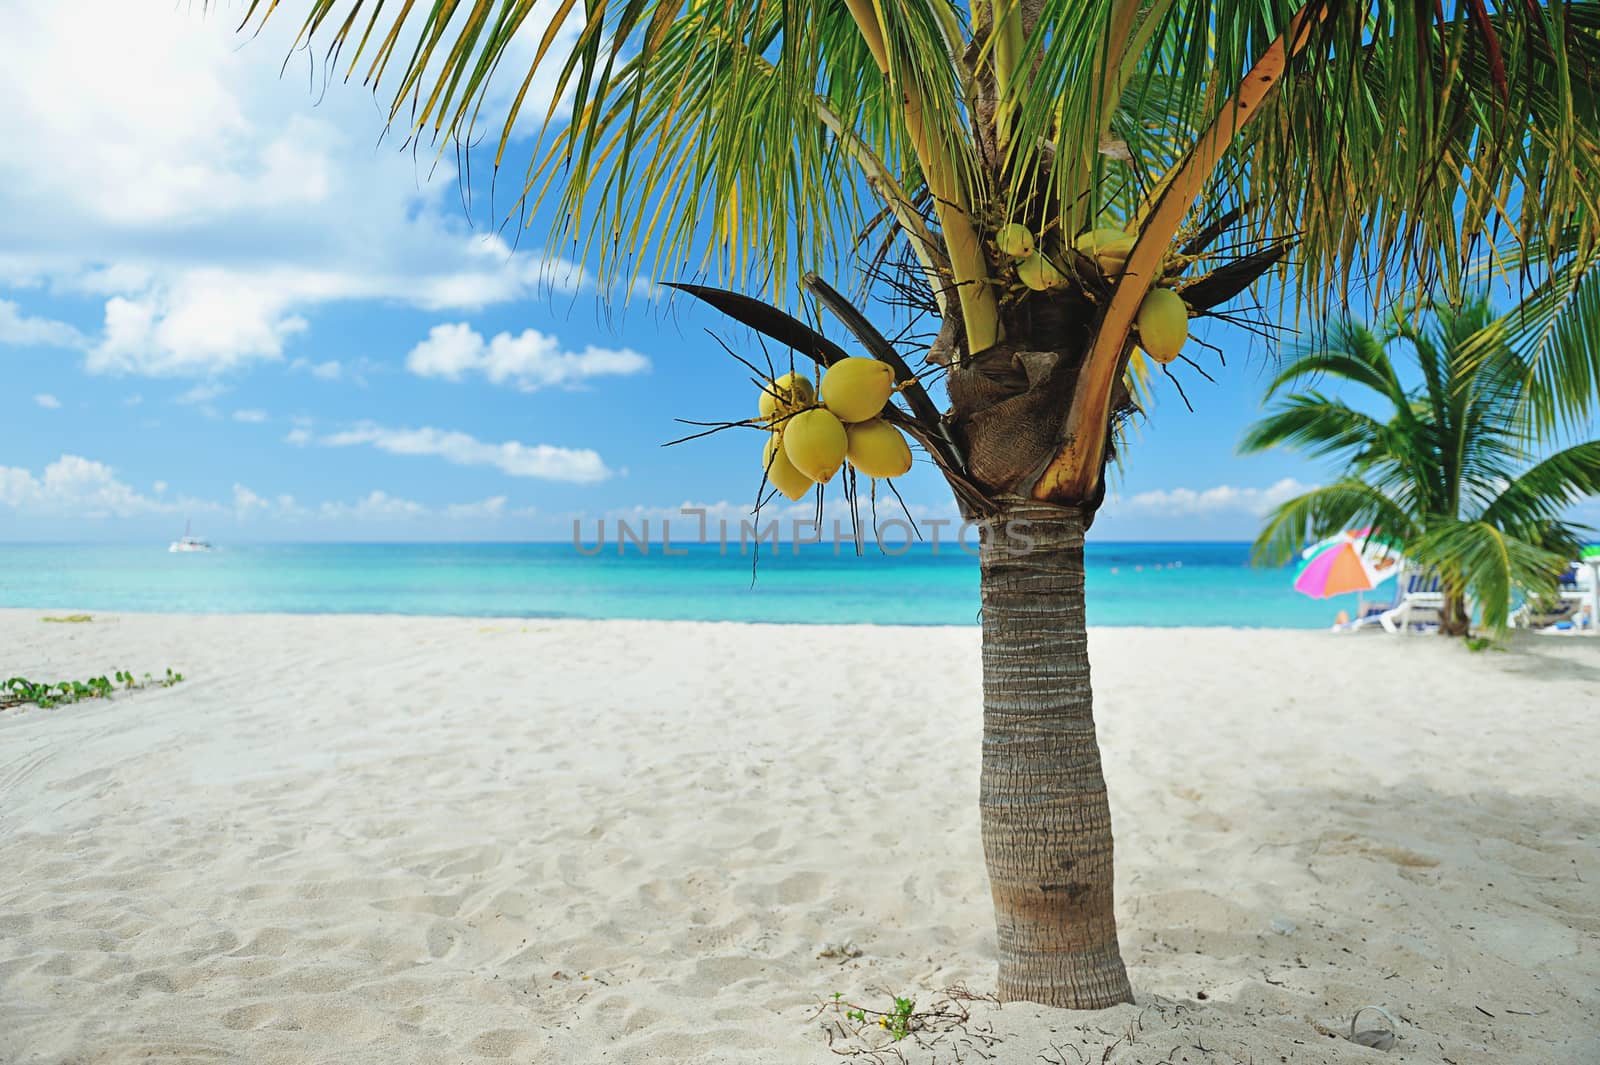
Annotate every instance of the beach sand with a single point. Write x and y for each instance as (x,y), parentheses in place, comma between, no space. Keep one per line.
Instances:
(416,840)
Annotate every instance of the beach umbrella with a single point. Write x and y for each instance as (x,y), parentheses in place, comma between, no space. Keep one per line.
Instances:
(1590,551)
(1356,560)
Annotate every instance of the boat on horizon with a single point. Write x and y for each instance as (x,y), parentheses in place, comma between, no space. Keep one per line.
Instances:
(188,543)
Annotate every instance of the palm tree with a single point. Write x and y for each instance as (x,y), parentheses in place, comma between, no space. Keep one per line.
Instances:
(770,141)
(1445,470)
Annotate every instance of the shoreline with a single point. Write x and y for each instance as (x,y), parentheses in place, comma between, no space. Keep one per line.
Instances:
(1128,585)
(514,619)
(445,840)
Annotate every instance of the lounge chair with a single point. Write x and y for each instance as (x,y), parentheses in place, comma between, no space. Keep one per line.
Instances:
(1368,616)
(1419,604)
(1576,609)
(1558,616)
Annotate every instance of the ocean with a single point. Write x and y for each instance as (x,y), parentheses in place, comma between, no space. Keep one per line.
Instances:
(1157,584)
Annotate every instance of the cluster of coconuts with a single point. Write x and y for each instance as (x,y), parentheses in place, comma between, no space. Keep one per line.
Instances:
(810,440)
(1163,318)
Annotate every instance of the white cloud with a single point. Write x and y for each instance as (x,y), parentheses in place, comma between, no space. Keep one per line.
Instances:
(1223,497)
(201,393)
(493,507)
(204,321)
(213,202)
(324,371)
(247,503)
(529,361)
(512,457)
(213,319)
(21,330)
(355,370)
(76,486)
(378,505)
(245,500)
(79,488)
(250,417)
(99,113)
(47,401)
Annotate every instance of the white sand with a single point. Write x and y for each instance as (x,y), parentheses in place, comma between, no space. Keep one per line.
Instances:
(405,841)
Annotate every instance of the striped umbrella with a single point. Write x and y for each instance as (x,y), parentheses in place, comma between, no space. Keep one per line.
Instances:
(1356,560)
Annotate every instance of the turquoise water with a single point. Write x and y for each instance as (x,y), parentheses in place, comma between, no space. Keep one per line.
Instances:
(1128,583)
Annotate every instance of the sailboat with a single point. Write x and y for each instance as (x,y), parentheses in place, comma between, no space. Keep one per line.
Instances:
(188,543)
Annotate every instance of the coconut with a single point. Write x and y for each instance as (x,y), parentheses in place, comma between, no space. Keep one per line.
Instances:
(1039,274)
(1113,256)
(785,396)
(1091,242)
(1015,240)
(781,473)
(877,449)
(1107,247)
(815,442)
(856,389)
(1163,322)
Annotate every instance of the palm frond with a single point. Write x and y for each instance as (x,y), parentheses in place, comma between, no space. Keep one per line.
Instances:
(1317,424)
(1324,511)
(740,135)
(1556,331)
(1487,564)
(1545,490)
(1347,350)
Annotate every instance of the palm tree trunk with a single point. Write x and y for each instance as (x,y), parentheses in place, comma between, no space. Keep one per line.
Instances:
(1046,822)
(1455,619)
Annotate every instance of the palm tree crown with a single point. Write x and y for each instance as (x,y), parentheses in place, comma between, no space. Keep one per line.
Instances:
(1446,467)
(768,138)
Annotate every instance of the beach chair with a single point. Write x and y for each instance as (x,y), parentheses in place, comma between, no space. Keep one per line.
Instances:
(1369,615)
(1576,608)
(1560,616)
(1418,605)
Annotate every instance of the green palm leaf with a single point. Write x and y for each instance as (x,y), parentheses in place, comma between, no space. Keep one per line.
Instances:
(1324,511)
(1486,564)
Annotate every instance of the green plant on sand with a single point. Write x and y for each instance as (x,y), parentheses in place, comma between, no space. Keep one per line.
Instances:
(855,1030)
(15,691)
(1163,156)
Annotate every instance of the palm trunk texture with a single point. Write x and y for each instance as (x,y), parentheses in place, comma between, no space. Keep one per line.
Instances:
(1046,821)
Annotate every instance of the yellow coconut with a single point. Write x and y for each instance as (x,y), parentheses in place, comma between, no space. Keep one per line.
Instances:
(780,472)
(1015,240)
(1038,273)
(789,393)
(856,389)
(1091,242)
(1108,247)
(877,449)
(1113,256)
(1163,322)
(815,443)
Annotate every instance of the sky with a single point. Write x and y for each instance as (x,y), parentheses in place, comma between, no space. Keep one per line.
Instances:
(227,300)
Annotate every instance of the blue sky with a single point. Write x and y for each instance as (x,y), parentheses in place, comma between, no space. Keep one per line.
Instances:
(223,300)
